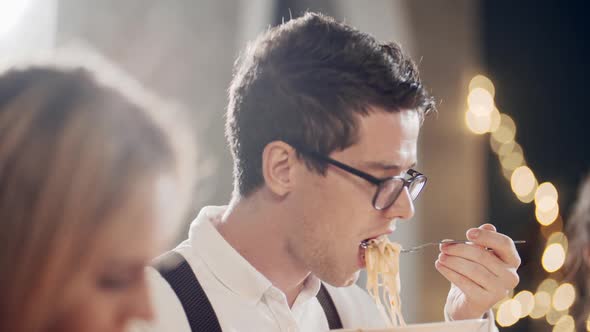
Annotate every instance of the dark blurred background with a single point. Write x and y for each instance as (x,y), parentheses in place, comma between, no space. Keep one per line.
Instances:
(536,53)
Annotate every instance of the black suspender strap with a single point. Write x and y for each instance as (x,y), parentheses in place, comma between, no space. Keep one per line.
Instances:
(198,310)
(329,308)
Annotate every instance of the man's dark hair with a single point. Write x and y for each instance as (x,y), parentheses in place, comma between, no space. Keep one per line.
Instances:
(304,82)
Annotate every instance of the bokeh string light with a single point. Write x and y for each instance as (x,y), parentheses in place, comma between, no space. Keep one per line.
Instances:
(551,299)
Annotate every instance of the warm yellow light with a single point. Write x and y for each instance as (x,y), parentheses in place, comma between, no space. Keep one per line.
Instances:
(495,145)
(515,308)
(565,324)
(547,218)
(499,303)
(558,237)
(477,123)
(480,81)
(507,173)
(527,302)
(553,257)
(496,119)
(546,196)
(480,102)
(503,134)
(548,286)
(523,181)
(528,197)
(508,148)
(517,149)
(512,161)
(588,323)
(506,131)
(553,316)
(542,305)
(564,297)
(546,209)
(545,204)
(508,313)
(506,298)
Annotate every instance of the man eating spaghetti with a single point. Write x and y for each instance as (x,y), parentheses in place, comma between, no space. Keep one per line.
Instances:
(323,123)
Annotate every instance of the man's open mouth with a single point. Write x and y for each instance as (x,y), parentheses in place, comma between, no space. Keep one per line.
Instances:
(369,242)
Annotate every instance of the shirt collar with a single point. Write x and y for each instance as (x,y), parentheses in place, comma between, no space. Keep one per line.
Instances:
(311,287)
(228,266)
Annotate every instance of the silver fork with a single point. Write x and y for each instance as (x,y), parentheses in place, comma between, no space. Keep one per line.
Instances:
(430,244)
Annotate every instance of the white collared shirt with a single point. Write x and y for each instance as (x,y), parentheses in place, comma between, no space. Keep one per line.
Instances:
(243,298)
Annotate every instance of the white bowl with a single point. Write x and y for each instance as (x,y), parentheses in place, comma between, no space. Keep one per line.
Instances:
(472,325)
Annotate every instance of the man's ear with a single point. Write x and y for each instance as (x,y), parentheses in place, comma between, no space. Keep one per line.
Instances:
(278,167)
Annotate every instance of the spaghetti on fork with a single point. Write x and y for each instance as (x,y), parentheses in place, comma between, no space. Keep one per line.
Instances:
(383,281)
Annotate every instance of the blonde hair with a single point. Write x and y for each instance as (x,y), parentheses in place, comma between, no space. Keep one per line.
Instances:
(71,149)
(577,269)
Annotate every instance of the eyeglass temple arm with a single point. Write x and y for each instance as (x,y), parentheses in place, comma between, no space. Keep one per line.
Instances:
(345,167)
(354,171)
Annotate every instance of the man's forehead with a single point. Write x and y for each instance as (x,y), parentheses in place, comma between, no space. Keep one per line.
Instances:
(388,165)
(387,140)
(401,124)
(388,148)
(398,156)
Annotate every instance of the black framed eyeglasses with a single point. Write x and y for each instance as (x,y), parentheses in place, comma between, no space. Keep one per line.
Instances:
(388,189)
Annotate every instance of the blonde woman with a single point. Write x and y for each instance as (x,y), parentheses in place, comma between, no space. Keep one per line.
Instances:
(577,265)
(90,185)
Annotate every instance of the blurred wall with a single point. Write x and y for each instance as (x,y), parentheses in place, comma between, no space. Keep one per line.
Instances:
(183,50)
(447,42)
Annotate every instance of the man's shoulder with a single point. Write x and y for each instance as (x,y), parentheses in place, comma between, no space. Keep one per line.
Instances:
(168,311)
(355,307)
(159,287)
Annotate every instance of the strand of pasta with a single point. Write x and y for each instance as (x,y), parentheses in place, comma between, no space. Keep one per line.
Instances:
(383,282)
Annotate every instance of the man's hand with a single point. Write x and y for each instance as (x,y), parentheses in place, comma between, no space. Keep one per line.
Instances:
(479,277)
